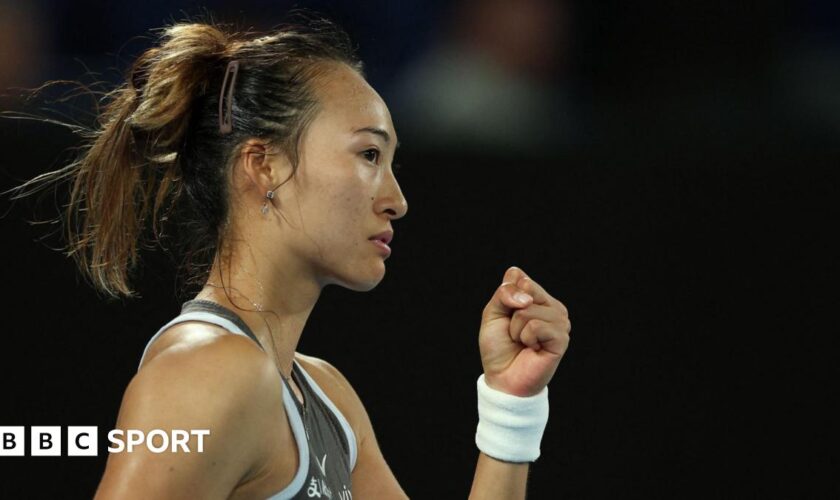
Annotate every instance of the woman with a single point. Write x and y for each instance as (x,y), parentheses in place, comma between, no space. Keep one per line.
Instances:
(274,158)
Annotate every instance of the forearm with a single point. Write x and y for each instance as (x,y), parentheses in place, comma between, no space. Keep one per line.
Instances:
(495,479)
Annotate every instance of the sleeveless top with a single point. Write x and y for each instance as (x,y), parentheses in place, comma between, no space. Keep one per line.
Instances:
(325,441)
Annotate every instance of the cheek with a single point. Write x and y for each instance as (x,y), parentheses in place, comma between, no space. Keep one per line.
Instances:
(347,212)
(338,207)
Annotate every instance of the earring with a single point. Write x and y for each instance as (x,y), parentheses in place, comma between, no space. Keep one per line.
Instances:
(268,197)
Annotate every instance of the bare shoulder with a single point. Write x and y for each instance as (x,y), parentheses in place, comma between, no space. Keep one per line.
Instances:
(199,379)
(205,357)
(205,365)
(191,336)
(322,369)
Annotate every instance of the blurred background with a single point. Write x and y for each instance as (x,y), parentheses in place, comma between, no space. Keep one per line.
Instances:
(668,170)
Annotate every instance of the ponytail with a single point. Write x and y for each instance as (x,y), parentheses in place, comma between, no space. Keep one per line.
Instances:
(130,166)
(158,140)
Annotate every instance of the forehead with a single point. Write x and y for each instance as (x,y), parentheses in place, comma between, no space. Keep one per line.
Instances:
(348,101)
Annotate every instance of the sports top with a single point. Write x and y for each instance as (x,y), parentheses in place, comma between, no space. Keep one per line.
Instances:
(325,441)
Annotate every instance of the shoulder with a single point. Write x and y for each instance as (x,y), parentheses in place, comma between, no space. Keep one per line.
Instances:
(215,368)
(328,377)
(200,379)
(205,359)
(321,369)
(195,337)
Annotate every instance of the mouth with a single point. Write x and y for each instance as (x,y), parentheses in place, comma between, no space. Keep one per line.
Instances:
(385,237)
(381,241)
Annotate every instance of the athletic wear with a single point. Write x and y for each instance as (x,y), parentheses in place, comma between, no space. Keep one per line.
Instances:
(325,441)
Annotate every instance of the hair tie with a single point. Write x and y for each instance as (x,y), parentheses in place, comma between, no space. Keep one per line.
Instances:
(226,101)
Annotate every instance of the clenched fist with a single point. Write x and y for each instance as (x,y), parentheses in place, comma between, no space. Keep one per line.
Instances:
(524,334)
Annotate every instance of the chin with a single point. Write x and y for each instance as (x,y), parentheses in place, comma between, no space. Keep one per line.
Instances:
(363,280)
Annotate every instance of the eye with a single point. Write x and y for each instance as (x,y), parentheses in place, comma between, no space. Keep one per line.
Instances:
(371,155)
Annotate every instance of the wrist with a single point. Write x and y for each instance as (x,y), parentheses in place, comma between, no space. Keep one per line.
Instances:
(510,427)
(499,383)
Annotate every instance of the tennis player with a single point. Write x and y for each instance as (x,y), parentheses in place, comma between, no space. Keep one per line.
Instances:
(267,160)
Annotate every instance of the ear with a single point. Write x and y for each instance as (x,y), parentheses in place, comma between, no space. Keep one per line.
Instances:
(266,166)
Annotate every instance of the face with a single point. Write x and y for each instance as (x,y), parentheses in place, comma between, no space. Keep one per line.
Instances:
(344,192)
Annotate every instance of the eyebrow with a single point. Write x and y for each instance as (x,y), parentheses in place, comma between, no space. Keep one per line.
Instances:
(378,131)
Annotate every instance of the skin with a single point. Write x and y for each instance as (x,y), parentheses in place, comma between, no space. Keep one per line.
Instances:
(316,233)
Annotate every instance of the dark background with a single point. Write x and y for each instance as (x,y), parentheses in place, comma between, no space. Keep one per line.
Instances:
(678,202)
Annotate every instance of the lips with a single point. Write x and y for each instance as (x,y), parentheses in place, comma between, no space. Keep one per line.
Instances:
(384,237)
(381,240)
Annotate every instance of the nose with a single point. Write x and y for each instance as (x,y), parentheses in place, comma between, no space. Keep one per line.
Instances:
(391,201)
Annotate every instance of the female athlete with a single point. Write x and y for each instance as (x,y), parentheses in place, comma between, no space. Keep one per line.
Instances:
(271,157)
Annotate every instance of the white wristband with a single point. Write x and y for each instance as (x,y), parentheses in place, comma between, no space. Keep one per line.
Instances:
(510,427)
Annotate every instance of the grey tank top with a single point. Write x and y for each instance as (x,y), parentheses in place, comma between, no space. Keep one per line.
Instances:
(325,441)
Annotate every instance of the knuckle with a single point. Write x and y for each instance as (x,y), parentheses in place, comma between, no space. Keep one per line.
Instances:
(514,273)
(563,308)
(533,286)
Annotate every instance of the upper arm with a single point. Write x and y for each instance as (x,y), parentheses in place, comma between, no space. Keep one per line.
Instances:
(372,478)
(215,386)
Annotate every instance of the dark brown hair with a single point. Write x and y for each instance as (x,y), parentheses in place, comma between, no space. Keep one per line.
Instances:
(157,155)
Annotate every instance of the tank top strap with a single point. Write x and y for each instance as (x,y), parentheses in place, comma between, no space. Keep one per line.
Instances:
(198,305)
(321,407)
(207,312)
(210,312)
(332,435)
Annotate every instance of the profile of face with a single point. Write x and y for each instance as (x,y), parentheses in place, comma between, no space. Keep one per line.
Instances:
(344,192)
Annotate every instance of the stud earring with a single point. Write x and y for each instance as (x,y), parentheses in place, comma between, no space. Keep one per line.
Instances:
(268,197)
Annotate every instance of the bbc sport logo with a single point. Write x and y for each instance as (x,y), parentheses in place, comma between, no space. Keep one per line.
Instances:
(82,441)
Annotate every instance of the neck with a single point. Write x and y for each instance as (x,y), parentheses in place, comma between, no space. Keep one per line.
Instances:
(275,303)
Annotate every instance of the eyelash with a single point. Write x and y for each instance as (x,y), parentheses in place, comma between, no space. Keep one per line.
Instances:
(368,151)
(396,166)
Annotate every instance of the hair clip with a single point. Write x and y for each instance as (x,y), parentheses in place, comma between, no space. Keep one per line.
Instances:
(226,101)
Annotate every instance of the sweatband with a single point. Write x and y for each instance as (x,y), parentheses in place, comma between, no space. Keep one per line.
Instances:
(510,427)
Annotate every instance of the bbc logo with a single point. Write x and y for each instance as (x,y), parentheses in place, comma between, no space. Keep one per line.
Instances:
(45,441)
